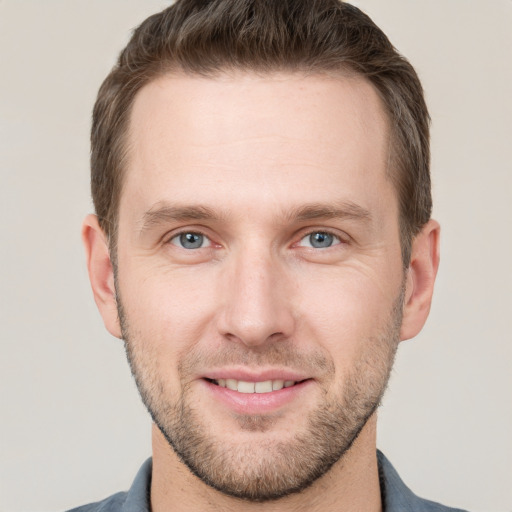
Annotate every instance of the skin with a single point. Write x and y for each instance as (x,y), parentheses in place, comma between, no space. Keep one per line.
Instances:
(263,162)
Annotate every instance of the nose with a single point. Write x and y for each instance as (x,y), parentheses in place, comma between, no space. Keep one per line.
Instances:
(257,301)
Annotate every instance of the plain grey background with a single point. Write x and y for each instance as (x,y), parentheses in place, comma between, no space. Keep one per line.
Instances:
(72,427)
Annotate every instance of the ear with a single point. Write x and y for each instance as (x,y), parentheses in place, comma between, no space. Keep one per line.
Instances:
(420,278)
(101,273)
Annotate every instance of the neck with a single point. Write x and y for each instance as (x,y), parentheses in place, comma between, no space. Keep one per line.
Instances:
(351,484)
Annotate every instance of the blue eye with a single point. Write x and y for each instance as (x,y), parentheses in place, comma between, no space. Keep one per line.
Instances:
(190,240)
(319,240)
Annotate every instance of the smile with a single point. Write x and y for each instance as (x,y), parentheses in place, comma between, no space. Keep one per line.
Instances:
(250,397)
(266,386)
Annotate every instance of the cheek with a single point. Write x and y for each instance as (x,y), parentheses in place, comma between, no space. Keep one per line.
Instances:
(346,309)
(168,313)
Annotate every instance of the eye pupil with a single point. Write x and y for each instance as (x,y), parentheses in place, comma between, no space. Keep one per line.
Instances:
(191,240)
(320,240)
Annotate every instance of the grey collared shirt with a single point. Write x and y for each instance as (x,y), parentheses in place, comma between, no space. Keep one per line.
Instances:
(396,496)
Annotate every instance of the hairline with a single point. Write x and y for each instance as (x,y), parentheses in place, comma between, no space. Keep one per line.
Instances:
(344,71)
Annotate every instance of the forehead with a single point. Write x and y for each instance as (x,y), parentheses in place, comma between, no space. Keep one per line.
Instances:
(277,104)
(246,135)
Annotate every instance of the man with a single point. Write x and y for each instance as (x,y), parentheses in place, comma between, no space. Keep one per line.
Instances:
(262,242)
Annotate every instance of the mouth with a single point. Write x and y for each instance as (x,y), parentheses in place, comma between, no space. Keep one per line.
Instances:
(266,386)
(250,395)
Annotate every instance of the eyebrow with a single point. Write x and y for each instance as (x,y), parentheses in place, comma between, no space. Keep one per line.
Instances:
(343,210)
(162,213)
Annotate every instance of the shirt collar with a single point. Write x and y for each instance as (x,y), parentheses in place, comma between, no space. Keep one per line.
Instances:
(138,497)
(395,494)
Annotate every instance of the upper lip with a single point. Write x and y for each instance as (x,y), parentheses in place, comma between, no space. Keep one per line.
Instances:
(256,375)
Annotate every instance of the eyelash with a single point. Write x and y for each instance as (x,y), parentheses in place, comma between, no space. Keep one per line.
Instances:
(190,232)
(337,238)
(340,240)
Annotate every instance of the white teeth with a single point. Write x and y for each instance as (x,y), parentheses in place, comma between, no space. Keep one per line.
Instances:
(263,387)
(232,384)
(277,385)
(245,387)
(266,386)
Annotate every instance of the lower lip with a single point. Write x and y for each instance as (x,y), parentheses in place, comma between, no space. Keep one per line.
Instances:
(257,403)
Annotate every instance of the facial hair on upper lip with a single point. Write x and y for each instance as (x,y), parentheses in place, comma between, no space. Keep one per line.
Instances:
(280,356)
(274,469)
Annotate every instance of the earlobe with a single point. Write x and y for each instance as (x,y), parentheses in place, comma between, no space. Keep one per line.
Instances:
(420,279)
(101,273)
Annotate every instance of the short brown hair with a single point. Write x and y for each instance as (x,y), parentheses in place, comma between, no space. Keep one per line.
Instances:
(206,37)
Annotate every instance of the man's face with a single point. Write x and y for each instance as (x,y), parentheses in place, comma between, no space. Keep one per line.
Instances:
(259,275)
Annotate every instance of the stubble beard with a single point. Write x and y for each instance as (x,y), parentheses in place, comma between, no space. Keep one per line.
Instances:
(272,469)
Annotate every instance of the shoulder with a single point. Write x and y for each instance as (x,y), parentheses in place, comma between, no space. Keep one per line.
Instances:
(424,505)
(397,497)
(113,503)
(135,500)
